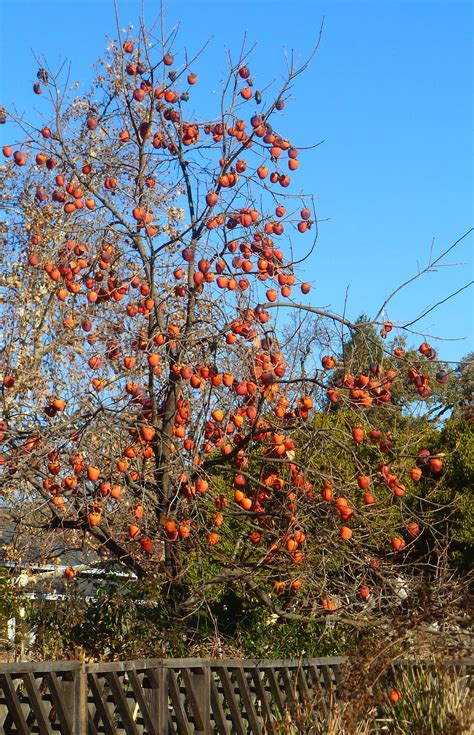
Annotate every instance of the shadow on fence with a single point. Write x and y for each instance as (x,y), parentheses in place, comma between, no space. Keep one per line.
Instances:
(159,697)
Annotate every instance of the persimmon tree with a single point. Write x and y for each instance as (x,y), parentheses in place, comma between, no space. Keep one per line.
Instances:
(163,407)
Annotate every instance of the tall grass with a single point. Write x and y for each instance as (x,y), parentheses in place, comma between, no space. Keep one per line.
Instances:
(435,700)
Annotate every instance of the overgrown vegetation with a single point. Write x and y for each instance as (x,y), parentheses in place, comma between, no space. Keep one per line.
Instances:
(426,700)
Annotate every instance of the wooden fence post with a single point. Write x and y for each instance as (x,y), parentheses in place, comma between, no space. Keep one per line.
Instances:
(162,701)
(79,725)
(157,698)
(201,686)
(69,697)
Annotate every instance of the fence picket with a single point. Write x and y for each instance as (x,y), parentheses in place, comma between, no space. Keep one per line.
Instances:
(247,701)
(37,704)
(275,690)
(302,684)
(63,706)
(121,704)
(289,688)
(138,692)
(14,707)
(197,686)
(222,723)
(91,728)
(231,700)
(178,705)
(101,705)
(263,698)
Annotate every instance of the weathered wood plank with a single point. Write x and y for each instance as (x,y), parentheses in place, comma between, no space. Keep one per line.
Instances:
(37,704)
(178,705)
(62,707)
(101,706)
(38,667)
(13,704)
(80,701)
(231,700)
(275,690)
(121,703)
(198,694)
(326,673)
(139,693)
(318,688)
(220,719)
(156,696)
(247,701)
(7,720)
(336,672)
(91,725)
(263,697)
(288,687)
(136,665)
(304,692)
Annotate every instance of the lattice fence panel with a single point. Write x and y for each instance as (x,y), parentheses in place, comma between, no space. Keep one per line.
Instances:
(38,702)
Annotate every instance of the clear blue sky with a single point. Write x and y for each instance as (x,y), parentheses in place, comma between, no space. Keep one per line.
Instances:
(390,92)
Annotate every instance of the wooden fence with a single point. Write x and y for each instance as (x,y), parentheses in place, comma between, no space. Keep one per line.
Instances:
(159,697)
(156,697)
